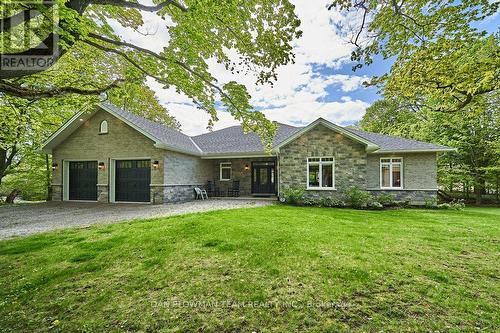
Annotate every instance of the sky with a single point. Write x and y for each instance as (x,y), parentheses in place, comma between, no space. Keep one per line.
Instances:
(321,83)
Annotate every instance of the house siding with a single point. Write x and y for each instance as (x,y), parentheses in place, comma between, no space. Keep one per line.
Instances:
(122,141)
(350,161)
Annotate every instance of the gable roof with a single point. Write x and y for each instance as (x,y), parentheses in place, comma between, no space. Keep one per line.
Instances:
(370,146)
(232,141)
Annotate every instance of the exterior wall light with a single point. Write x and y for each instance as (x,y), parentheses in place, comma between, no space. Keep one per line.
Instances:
(247,167)
(156,165)
(101,166)
(54,166)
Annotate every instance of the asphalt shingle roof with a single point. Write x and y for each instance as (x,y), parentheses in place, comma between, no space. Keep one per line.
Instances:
(234,140)
(164,134)
(395,143)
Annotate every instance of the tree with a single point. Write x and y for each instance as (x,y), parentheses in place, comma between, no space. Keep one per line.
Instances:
(260,32)
(441,61)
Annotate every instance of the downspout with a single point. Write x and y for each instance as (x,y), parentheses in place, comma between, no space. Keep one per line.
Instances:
(278,173)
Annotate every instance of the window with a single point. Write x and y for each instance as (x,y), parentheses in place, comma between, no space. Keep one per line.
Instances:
(103,128)
(391,172)
(320,173)
(225,171)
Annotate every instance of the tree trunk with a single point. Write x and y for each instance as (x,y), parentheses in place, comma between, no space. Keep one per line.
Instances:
(479,187)
(12,196)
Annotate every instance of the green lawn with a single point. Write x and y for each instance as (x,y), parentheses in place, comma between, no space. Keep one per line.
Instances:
(274,268)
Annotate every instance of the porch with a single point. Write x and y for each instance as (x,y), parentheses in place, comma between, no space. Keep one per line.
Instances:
(246,178)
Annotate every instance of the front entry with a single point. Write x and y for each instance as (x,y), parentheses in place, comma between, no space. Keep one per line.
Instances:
(83,180)
(263,178)
(133,178)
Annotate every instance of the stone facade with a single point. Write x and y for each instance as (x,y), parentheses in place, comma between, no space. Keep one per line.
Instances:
(350,161)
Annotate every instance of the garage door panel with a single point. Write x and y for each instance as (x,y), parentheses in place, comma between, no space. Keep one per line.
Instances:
(133,178)
(83,180)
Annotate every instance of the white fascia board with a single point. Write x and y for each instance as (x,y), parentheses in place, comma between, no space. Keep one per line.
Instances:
(414,151)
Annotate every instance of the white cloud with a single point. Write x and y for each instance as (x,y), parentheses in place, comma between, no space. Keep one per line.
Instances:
(298,95)
(344,112)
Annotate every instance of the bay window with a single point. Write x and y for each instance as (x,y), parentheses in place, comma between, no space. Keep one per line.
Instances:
(320,173)
(391,173)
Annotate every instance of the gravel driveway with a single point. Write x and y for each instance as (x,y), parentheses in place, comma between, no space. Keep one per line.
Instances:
(25,219)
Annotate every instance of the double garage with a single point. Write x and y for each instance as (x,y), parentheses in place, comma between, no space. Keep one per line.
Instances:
(130,180)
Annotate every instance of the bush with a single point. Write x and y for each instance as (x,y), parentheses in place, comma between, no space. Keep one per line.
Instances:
(444,206)
(386,199)
(430,203)
(293,195)
(358,198)
(323,202)
(375,205)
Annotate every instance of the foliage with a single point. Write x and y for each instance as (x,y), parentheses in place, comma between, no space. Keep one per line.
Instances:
(293,195)
(251,38)
(385,199)
(333,262)
(431,202)
(324,202)
(440,60)
(455,205)
(357,198)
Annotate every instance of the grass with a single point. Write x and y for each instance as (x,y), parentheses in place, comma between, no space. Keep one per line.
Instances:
(274,268)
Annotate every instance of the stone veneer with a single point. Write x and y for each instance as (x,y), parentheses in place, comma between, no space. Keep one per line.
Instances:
(350,161)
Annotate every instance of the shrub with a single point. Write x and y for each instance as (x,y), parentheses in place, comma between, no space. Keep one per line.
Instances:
(386,199)
(430,202)
(358,198)
(444,206)
(375,205)
(293,195)
(455,204)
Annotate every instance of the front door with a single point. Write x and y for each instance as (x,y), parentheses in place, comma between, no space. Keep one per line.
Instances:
(263,178)
(133,178)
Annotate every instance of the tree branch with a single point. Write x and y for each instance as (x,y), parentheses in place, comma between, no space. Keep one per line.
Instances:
(135,47)
(128,4)
(28,93)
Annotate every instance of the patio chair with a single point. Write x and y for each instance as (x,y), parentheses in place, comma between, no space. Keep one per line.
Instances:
(200,194)
(234,191)
(212,190)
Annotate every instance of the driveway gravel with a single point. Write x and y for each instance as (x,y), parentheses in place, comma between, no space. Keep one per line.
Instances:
(26,219)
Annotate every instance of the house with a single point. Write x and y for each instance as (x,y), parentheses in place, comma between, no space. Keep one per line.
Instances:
(111,155)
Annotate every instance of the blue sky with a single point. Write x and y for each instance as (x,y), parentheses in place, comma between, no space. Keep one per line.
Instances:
(320,84)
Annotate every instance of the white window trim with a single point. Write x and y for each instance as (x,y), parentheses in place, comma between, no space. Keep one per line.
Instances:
(101,130)
(390,172)
(320,163)
(228,165)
